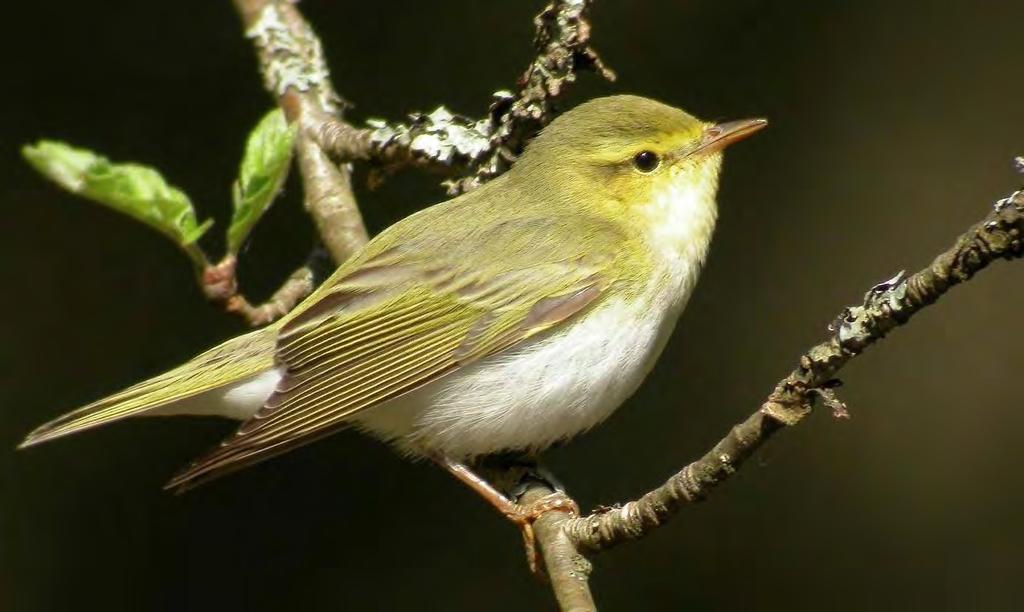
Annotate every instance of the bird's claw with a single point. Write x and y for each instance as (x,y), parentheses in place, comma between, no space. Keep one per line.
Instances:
(524,515)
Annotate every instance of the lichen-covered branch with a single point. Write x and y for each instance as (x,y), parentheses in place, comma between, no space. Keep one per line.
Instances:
(437,140)
(562,41)
(480,149)
(885,307)
(294,71)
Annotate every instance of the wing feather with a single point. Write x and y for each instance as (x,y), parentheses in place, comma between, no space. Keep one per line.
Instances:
(390,325)
(347,386)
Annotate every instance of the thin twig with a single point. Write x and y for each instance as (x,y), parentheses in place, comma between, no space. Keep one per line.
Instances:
(296,287)
(220,284)
(293,69)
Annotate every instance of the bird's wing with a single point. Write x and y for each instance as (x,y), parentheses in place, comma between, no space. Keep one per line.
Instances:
(402,318)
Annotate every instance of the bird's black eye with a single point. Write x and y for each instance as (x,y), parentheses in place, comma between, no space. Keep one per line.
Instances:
(646,161)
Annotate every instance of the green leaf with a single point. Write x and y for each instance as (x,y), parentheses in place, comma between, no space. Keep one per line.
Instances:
(137,191)
(268,153)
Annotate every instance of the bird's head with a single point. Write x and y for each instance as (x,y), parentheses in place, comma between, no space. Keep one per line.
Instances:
(634,159)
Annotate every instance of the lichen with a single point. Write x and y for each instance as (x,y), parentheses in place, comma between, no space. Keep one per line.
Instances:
(293,60)
(441,137)
(1010,199)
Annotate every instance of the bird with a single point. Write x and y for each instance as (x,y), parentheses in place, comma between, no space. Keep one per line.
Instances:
(506,319)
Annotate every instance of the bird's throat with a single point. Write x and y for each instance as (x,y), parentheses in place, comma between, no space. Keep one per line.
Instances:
(681,215)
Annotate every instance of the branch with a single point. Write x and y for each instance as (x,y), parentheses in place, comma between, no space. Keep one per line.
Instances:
(220,284)
(563,539)
(566,567)
(294,71)
(562,41)
(885,307)
(481,149)
(295,288)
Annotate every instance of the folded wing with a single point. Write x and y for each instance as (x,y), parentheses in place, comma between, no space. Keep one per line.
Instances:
(399,320)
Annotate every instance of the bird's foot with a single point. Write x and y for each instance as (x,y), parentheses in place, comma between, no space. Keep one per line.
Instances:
(528,513)
(524,516)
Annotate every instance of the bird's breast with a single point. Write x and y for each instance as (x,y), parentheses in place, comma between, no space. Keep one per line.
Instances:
(548,389)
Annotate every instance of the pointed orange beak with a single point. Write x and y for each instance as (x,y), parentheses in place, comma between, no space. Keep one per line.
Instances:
(721,135)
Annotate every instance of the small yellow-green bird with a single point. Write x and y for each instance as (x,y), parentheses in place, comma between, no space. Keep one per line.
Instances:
(506,319)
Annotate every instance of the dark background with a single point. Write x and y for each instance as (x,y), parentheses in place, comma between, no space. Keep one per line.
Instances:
(893,127)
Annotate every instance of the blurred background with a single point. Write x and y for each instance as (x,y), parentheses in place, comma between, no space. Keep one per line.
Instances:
(893,129)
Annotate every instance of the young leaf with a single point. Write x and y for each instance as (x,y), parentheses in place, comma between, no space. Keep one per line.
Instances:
(137,191)
(268,153)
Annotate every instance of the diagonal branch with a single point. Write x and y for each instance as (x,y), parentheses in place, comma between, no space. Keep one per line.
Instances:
(886,306)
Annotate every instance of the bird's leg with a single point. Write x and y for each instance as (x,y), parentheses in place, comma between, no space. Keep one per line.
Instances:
(522,515)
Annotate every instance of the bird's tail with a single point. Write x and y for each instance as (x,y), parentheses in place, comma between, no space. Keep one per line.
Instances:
(234,361)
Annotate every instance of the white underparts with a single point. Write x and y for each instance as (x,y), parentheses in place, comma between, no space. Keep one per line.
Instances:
(571,379)
(531,396)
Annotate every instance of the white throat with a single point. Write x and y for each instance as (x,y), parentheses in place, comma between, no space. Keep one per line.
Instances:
(681,220)
(683,211)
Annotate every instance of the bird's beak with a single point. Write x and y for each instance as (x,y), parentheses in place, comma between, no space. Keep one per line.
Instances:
(720,135)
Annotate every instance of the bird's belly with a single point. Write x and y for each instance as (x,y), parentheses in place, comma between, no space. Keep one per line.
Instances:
(551,388)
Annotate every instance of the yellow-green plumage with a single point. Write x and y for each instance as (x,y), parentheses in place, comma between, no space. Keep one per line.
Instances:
(573,242)
(234,360)
(413,307)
